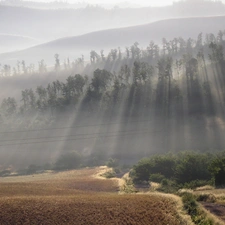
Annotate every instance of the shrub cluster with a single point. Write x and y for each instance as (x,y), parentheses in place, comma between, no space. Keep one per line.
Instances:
(185,169)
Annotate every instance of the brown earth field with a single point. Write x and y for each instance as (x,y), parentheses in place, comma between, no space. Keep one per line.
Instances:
(80,197)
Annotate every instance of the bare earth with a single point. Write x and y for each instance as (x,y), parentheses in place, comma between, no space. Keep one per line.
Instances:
(216,209)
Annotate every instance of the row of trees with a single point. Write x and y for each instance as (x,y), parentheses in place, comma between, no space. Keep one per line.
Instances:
(152,53)
(55,96)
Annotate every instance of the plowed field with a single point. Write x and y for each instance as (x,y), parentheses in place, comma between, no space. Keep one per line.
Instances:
(79,197)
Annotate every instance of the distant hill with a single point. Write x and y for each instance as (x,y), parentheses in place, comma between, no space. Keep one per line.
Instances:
(75,46)
(12,42)
(51,24)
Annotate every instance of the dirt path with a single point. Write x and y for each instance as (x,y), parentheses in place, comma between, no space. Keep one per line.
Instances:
(216,209)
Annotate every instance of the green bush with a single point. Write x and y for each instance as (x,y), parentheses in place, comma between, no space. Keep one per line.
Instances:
(197,183)
(156,177)
(117,170)
(190,204)
(112,163)
(4,173)
(109,174)
(217,168)
(32,169)
(198,216)
(160,164)
(188,169)
(168,186)
(67,161)
(192,166)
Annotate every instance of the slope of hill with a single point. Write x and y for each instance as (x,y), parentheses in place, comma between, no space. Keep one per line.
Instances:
(75,46)
(12,42)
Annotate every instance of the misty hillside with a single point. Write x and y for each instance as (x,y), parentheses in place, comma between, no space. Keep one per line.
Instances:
(127,105)
(74,47)
(12,42)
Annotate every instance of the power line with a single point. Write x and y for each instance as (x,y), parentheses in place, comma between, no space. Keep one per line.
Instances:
(62,136)
(73,127)
(126,133)
(90,125)
(85,138)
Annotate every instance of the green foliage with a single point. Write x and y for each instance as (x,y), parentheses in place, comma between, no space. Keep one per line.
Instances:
(128,187)
(4,173)
(109,174)
(197,183)
(190,204)
(117,170)
(198,216)
(68,161)
(8,106)
(112,163)
(168,186)
(187,169)
(32,169)
(192,166)
(217,168)
(101,80)
(161,164)
(156,177)
(142,171)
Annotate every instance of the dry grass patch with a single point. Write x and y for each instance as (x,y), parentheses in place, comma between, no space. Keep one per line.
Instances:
(218,193)
(154,186)
(205,188)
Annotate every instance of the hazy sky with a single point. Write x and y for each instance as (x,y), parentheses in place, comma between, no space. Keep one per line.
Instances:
(139,2)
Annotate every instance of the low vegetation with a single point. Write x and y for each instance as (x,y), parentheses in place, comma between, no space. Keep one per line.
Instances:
(197,212)
(182,170)
(190,175)
(109,174)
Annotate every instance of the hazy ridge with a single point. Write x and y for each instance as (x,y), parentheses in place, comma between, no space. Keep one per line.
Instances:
(74,47)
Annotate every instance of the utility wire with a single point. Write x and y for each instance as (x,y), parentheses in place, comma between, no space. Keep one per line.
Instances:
(90,125)
(126,133)
(63,136)
(73,127)
(84,138)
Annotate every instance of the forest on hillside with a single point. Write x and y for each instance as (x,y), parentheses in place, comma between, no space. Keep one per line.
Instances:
(127,104)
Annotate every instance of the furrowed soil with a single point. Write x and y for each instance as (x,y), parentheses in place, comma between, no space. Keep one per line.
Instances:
(80,197)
